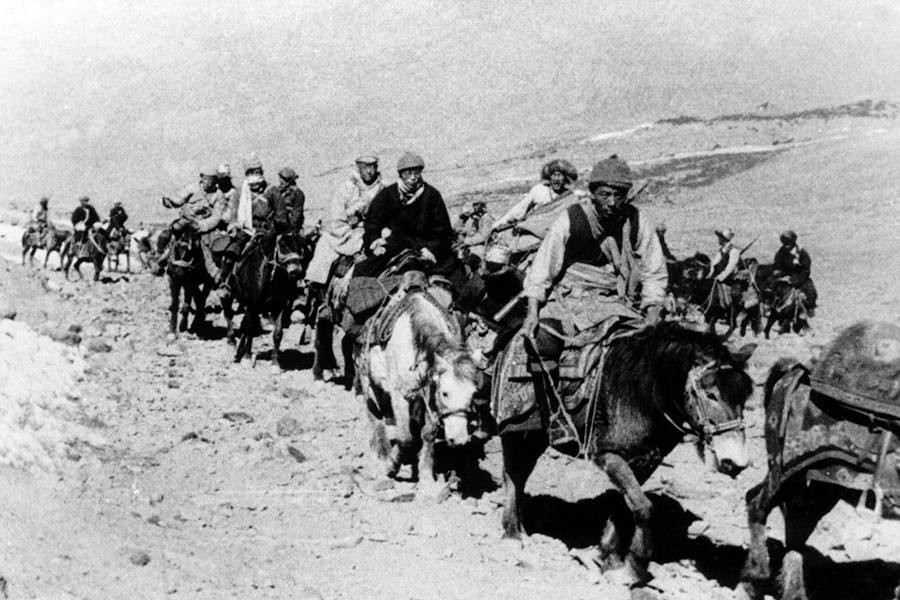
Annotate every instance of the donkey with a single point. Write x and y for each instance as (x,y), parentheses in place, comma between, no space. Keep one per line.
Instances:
(822,450)
(788,308)
(119,243)
(187,272)
(93,248)
(265,286)
(418,379)
(655,386)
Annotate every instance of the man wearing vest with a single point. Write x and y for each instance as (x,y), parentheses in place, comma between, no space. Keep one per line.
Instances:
(603,229)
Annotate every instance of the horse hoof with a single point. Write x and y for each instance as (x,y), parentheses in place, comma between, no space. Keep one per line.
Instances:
(628,575)
(171,337)
(275,370)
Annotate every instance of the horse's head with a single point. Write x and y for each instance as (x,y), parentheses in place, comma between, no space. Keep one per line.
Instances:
(717,389)
(455,381)
(288,255)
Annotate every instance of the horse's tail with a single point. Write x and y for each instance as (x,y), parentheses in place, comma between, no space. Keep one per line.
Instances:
(778,370)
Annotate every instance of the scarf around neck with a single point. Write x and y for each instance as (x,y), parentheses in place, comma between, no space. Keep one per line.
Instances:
(409,195)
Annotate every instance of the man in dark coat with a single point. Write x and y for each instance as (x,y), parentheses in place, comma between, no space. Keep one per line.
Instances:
(793,261)
(83,218)
(409,214)
(117,217)
(286,201)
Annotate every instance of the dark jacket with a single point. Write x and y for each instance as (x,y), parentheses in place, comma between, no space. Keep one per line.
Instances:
(796,266)
(87,214)
(286,201)
(422,224)
(117,217)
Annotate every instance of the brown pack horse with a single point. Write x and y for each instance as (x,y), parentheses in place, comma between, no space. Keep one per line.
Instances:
(187,273)
(53,240)
(821,451)
(92,249)
(119,243)
(656,385)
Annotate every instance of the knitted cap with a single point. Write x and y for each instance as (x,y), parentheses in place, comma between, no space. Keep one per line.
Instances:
(613,172)
(410,161)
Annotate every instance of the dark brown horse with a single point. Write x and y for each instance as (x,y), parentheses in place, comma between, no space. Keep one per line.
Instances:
(187,273)
(824,448)
(92,248)
(787,307)
(655,386)
(265,282)
(119,243)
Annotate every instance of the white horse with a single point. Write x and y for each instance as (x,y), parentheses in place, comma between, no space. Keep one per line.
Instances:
(418,380)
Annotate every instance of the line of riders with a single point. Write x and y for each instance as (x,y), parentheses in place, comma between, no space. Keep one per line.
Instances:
(370,225)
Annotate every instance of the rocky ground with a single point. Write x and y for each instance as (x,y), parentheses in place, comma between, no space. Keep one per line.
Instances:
(190,476)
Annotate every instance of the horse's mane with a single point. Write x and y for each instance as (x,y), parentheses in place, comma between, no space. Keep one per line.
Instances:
(660,357)
(436,339)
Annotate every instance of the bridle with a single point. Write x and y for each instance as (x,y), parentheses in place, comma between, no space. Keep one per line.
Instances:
(189,245)
(281,260)
(695,406)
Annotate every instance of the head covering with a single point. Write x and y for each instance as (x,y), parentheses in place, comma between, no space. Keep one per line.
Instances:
(410,161)
(561,165)
(252,163)
(788,236)
(44,200)
(367,159)
(84,199)
(613,172)
(287,174)
(726,234)
(224,170)
(254,178)
(117,203)
(209,172)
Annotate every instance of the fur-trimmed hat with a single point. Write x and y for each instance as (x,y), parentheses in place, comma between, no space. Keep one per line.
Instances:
(410,161)
(613,172)
(561,165)
(788,236)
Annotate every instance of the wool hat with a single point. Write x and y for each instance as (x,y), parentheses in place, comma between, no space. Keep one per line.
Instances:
(613,172)
(788,236)
(367,159)
(44,200)
(725,234)
(410,161)
(84,199)
(561,165)
(253,163)
(224,170)
(287,174)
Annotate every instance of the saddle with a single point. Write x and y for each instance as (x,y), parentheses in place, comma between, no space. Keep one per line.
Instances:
(563,386)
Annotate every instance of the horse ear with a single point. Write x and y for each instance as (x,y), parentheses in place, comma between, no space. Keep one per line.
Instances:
(743,354)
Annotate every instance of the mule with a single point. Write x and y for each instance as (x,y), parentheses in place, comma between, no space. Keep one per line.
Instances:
(788,308)
(119,243)
(655,386)
(53,240)
(819,452)
(264,287)
(93,248)
(187,273)
(417,379)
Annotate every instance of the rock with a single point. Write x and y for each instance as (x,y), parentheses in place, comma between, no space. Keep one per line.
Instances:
(139,558)
(98,345)
(296,454)
(237,417)
(63,336)
(169,351)
(288,427)
(698,527)
(7,311)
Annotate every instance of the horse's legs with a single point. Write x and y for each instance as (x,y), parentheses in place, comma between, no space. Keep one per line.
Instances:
(198,294)
(98,267)
(621,475)
(228,313)
(324,351)
(245,333)
(757,570)
(348,343)
(278,333)
(521,451)
(174,292)
(773,316)
(127,262)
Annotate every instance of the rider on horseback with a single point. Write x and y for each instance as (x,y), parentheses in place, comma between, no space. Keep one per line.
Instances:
(40,220)
(605,229)
(84,217)
(117,218)
(202,211)
(793,262)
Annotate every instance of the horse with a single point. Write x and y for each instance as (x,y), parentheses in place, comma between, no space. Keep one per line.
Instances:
(417,379)
(265,286)
(93,247)
(119,243)
(788,307)
(828,439)
(186,271)
(653,387)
